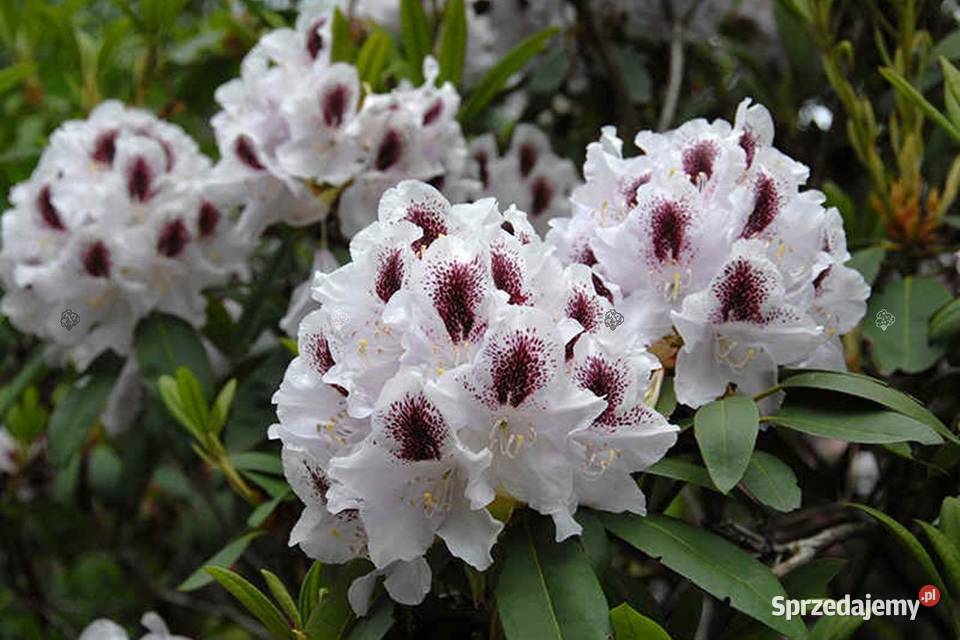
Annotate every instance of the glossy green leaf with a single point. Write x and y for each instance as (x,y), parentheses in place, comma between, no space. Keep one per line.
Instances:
(253,600)
(15,74)
(836,628)
(594,540)
(496,78)
(78,410)
(630,625)
(263,510)
(947,551)
(726,431)
(373,57)
(416,37)
(910,93)
(945,322)
(170,395)
(854,423)
(282,596)
(950,519)
(453,42)
(192,399)
(164,343)
(221,407)
(332,616)
(376,623)
(903,345)
(951,90)
(30,372)
(710,562)
(868,262)
(772,482)
(342,48)
(912,546)
(257,461)
(683,470)
(27,419)
(667,402)
(548,590)
(861,386)
(223,558)
(309,590)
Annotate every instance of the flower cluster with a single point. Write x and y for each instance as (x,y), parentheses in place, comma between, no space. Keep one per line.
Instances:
(117,220)
(529,174)
(454,360)
(105,629)
(296,130)
(712,239)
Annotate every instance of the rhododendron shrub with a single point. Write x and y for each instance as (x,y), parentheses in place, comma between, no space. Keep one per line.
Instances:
(512,320)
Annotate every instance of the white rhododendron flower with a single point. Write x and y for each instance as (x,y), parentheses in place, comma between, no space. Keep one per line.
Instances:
(295,129)
(452,360)
(710,235)
(118,220)
(104,629)
(529,174)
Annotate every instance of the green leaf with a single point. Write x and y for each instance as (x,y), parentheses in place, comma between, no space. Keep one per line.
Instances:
(375,624)
(630,625)
(27,419)
(726,431)
(416,37)
(253,600)
(270,484)
(632,68)
(854,424)
(772,482)
(31,371)
(496,78)
(945,323)
(667,402)
(373,58)
(710,562)
(907,91)
(192,399)
(331,618)
(263,511)
(868,262)
(951,90)
(594,540)
(547,590)
(836,628)
(343,48)
(911,545)
(453,42)
(80,408)
(309,590)
(221,407)
(223,558)
(948,552)
(170,395)
(257,461)
(682,470)
(164,343)
(950,519)
(861,386)
(903,345)
(282,596)
(15,74)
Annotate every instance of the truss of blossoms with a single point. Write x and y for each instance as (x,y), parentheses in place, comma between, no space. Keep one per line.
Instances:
(719,252)
(453,360)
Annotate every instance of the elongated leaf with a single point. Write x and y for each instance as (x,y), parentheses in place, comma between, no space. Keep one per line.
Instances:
(897,324)
(868,262)
(945,323)
(861,386)
(496,78)
(223,558)
(907,90)
(667,402)
(309,590)
(263,511)
(253,600)
(836,627)
(951,90)
(13,75)
(415,33)
(912,546)
(547,590)
(282,596)
(164,343)
(726,431)
(710,562)
(79,409)
(343,48)
(32,370)
(453,42)
(332,616)
(375,624)
(257,461)
(270,484)
(221,407)
(594,540)
(772,482)
(854,424)
(682,470)
(170,395)
(630,625)
(373,58)
(192,399)
(950,519)
(948,552)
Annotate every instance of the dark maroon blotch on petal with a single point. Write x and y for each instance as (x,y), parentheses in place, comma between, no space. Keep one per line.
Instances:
(173,238)
(528,158)
(428,217)
(96,260)
(315,38)
(456,290)
(416,427)
(766,205)
(49,213)
(434,112)
(390,270)
(601,288)
(508,276)
(741,291)
(669,229)
(208,219)
(140,180)
(541,194)
(519,367)
(630,191)
(243,147)
(390,150)
(105,147)
(483,168)
(334,105)
(699,159)
(748,142)
(605,380)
